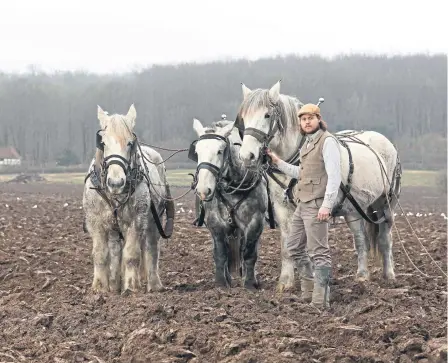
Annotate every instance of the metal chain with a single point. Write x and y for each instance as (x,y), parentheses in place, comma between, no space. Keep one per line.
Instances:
(162,148)
(170,199)
(163,161)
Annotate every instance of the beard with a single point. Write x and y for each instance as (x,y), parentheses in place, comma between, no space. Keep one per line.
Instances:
(313,131)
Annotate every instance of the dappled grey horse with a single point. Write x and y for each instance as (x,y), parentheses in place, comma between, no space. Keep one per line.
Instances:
(370,171)
(234,201)
(123,201)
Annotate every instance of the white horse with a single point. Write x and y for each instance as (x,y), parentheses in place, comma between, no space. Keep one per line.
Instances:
(120,206)
(269,118)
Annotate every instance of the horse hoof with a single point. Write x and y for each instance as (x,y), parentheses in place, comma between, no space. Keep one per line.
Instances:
(127,292)
(115,287)
(99,287)
(282,287)
(362,276)
(251,285)
(222,284)
(389,276)
(156,287)
(131,283)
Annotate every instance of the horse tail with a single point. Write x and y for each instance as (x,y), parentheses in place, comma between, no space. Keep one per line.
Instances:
(235,243)
(395,187)
(372,233)
(390,202)
(169,207)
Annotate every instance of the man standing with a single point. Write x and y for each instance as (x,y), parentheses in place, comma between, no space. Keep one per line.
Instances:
(319,178)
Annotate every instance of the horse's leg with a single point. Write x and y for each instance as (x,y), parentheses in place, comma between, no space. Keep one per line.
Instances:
(385,245)
(151,255)
(115,261)
(220,251)
(131,259)
(252,239)
(286,279)
(356,225)
(100,253)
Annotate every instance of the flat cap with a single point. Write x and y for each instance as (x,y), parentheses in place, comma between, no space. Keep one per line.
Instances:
(309,108)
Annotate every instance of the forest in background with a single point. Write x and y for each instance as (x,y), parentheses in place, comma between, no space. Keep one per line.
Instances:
(52,118)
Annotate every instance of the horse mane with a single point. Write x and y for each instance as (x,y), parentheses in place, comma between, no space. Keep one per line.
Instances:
(287,107)
(119,126)
(215,126)
(221,123)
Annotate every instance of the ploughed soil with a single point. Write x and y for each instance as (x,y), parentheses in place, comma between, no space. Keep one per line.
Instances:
(48,312)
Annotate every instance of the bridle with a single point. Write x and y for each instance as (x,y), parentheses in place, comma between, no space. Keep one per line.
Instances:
(263,138)
(215,170)
(135,174)
(115,159)
(223,185)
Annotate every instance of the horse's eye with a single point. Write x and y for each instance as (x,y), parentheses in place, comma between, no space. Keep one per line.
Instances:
(130,144)
(219,152)
(267,115)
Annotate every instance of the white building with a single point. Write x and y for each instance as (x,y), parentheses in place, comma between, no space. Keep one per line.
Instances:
(9,156)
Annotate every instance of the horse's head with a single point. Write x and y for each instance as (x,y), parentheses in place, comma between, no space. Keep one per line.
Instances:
(117,142)
(211,152)
(259,116)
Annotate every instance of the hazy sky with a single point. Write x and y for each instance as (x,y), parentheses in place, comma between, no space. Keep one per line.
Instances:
(108,35)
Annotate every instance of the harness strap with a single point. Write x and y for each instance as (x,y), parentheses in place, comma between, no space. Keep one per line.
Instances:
(168,224)
(259,135)
(358,208)
(345,189)
(231,209)
(169,207)
(200,220)
(209,166)
(119,163)
(270,209)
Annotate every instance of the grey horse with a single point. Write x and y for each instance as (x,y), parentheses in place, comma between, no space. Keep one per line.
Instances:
(234,201)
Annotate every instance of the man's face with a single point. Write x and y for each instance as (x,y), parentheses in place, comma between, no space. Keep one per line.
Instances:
(309,123)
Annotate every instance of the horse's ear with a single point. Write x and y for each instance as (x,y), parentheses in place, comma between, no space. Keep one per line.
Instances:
(246,90)
(102,116)
(197,126)
(274,92)
(132,115)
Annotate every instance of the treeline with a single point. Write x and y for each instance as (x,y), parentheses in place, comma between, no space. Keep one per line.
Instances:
(52,117)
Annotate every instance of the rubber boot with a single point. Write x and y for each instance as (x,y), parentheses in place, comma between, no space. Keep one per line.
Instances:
(306,282)
(307,287)
(321,291)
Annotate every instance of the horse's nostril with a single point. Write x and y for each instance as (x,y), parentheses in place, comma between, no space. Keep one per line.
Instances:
(251,156)
(209,191)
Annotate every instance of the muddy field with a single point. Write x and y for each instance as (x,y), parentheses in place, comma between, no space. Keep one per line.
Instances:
(48,313)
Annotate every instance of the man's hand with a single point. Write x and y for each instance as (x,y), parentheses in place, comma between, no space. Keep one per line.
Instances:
(273,157)
(324,214)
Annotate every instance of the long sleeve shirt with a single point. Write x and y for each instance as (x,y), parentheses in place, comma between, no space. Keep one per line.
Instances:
(331,155)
